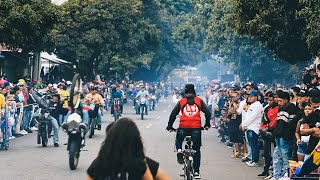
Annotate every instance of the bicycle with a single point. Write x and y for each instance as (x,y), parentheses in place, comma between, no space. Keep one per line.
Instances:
(188,160)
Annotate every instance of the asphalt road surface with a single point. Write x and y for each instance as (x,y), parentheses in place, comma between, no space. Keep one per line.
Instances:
(26,160)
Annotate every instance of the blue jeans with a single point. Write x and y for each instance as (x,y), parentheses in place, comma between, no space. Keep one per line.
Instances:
(25,124)
(106,101)
(55,127)
(282,155)
(196,139)
(98,118)
(254,145)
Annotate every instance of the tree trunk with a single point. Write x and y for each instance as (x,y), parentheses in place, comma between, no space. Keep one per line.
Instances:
(36,65)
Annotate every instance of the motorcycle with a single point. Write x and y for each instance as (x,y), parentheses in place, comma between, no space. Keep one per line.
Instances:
(143,106)
(74,127)
(116,109)
(42,116)
(136,106)
(93,114)
(152,102)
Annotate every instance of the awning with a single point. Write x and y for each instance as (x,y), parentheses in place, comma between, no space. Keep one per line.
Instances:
(53,58)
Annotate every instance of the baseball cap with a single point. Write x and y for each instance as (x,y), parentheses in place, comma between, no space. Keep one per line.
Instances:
(303,92)
(68,82)
(20,84)
(253,93)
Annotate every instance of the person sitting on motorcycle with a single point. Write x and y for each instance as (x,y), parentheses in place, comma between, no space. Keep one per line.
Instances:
(116,93)
(54,115)
(190,124)
(96,99)
(143,94)
(134,94)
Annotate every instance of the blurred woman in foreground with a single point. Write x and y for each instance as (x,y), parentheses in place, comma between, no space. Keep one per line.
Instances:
(122,157)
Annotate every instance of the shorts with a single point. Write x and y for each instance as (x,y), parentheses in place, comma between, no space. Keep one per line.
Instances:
(302,147)
(236,136)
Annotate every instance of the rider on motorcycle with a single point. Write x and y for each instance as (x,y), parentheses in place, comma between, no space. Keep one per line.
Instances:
(143,94)
(95,98)
(54,116)
(117,93)
(190,124)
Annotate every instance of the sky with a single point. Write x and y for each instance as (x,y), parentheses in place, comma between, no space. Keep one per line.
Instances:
(58,2)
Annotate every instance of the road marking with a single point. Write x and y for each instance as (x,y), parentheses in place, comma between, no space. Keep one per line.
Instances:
(158,117)
(165,111)
(169,106)
(148,126)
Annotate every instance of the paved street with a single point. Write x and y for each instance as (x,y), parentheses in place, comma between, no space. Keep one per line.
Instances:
(26,160)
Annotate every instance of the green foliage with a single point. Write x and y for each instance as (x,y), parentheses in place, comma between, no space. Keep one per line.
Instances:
(25,24)
(104,35)
(275,23)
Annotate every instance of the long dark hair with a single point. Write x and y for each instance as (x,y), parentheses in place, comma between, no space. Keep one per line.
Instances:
(121,152)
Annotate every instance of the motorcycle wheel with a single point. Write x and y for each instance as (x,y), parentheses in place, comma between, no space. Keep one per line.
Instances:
(74,91)
(73,155)
(44,139)
(142,111)
(92,127)
(38,138)
(116,115)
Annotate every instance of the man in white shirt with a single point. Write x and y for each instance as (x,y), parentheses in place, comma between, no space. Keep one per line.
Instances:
(241,111)
(251,125)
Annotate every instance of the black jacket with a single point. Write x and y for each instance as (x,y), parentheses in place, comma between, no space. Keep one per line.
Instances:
(286,122)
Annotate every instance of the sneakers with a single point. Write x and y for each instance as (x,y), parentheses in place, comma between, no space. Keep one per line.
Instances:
(11,137)
(236,154)
(18,135)
(197,175)
(29,131)
(252,164)
(179,157)
(222,140)
(273,178)
(34,128)
(23,132)
(269,177)
(230,145)
(245,159)
(56,145)
(263,175)
(99,127)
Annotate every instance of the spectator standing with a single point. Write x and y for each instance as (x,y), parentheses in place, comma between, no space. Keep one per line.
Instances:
(251,125)
(284,134)
(268,124)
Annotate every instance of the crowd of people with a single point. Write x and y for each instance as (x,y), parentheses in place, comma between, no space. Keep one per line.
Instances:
(17,101)
(283,123)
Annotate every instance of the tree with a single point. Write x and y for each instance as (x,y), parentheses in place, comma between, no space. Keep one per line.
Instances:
(103,33)
(277,24)
(25,25)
